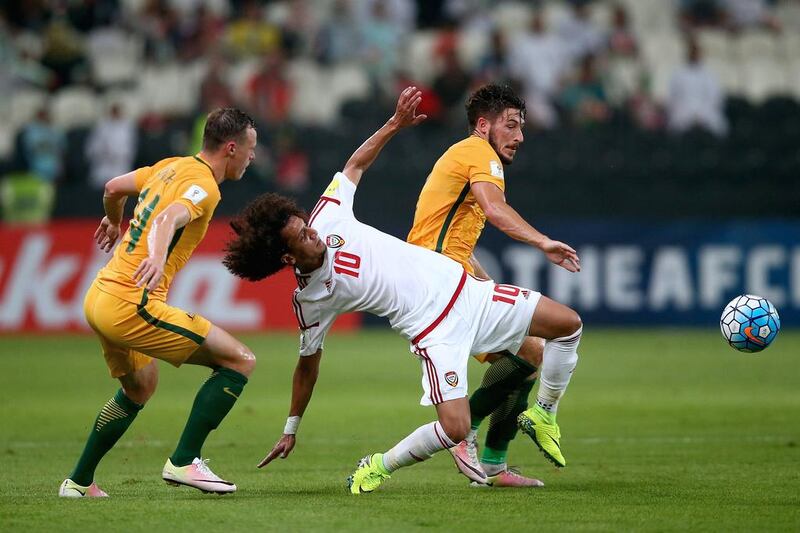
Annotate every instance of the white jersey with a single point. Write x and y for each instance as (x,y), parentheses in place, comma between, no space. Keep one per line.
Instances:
(367,270)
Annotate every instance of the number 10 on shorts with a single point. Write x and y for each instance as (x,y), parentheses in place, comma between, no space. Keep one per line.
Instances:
(505,293)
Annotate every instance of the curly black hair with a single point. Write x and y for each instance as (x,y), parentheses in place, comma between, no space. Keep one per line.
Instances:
(491,100)
(256,250)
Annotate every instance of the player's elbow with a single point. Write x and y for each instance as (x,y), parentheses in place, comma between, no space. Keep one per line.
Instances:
(494,214)
(112,189)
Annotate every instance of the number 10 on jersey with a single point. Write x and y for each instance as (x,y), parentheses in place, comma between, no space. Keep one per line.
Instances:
(346,263)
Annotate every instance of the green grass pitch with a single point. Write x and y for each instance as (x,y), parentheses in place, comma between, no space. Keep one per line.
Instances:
(663,430)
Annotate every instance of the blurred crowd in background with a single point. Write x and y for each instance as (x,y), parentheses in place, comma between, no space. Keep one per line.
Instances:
(94,88)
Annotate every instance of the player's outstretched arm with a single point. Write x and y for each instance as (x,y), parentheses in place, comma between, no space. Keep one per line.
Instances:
(151,269)
(404,115)
(506,219)
(305,377)
(115,195)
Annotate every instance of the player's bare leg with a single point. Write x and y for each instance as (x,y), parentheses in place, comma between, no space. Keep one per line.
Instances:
(562,328)
(232,363)
(420,445)
(140,385)
(114,419)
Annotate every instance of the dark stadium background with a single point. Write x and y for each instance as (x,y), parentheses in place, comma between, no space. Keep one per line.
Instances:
(671,224)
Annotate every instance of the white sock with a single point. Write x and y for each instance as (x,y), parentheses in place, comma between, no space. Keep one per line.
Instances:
(417,447)
(558,362)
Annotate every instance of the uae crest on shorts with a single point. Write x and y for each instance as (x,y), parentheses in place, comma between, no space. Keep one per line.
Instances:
(451,378)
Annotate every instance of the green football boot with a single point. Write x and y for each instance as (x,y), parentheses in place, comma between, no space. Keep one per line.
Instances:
(541,426)
(369,474)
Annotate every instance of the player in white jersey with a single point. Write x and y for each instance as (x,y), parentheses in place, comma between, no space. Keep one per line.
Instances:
(447,315)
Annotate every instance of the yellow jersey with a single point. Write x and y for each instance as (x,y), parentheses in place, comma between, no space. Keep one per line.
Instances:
(448,218)
(185,180)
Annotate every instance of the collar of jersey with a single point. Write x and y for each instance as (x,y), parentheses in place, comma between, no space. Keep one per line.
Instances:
(200,159)
(317,278)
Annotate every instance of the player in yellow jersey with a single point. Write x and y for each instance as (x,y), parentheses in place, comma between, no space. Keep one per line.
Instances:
(465,188)
(126,305)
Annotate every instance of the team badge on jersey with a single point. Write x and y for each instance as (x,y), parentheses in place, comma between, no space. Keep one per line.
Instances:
(451,378)
(496,169)
(334,241)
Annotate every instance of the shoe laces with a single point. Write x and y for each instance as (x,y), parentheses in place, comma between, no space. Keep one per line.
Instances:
(472,450)
(514,471)
(202,466)
(373,474)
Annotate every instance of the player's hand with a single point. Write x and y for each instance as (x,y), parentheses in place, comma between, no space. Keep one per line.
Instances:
(561,255)
(282,449)
(406,112)
(106,235)
(149,273)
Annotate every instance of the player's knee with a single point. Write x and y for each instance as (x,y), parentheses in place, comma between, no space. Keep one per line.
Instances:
(456,428)
(245,361)
(571,324)
(141,389)
(139,395)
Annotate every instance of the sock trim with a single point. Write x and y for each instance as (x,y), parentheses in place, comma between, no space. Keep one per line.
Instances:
(521,363)
(493,456)
(126,403)
(445,441)
(231,374)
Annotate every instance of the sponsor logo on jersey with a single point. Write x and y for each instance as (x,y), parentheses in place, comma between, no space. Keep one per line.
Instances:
(334,241)
(451,378)
(525,293)
(195,194)
(496,169)
(190,315)
(167,175)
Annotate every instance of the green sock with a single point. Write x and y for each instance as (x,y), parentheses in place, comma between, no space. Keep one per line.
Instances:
(503,423)
(503,378)
(112,422)
(493,456)
(213,401)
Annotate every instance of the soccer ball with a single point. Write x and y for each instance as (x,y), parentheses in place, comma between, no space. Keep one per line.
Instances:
(749,323)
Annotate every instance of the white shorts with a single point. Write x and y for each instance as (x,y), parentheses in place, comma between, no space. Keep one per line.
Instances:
(486,317)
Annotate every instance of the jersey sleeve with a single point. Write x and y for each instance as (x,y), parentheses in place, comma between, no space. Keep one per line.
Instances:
(140,177)
(314,322)
(336,202)
(198,194)
(482,164)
